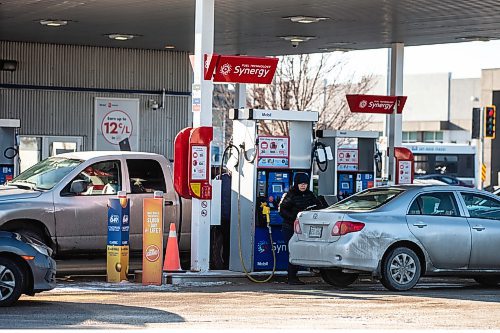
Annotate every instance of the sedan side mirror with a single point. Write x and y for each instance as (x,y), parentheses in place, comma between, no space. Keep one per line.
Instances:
(78,186)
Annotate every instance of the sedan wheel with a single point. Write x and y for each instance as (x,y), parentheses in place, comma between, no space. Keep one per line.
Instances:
(11,282)
(401,269)
(337,278)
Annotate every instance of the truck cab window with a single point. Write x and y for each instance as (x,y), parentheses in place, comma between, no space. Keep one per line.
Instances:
(103,178)
(146,176)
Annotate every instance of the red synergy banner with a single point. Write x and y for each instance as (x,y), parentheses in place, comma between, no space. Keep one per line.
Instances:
(375,103)
(239,69)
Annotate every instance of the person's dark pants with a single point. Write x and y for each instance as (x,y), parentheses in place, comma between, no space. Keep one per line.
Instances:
(287,231)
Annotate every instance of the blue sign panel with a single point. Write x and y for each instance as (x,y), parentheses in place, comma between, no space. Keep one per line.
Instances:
(263,256)
(6,173)
(118,221)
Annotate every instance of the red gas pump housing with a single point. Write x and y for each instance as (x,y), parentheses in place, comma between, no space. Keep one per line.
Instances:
(405,165)
(199,163)
(181,162)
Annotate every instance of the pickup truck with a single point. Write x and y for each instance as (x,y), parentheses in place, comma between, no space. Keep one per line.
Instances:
(62,201)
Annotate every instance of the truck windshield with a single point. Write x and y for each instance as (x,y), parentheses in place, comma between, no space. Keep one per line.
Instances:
(367,200)
(47,173)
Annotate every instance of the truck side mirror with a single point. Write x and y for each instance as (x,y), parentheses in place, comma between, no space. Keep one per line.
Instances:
(78,186)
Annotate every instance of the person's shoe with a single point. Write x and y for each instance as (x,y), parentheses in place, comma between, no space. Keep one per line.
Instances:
(295,282)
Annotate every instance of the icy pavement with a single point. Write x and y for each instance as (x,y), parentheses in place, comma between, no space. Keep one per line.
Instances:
(65,287)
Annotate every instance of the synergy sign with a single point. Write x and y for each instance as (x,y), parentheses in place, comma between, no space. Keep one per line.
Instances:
(238,69)
(375,103)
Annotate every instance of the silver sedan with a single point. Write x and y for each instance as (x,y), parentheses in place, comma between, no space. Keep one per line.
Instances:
(398,234)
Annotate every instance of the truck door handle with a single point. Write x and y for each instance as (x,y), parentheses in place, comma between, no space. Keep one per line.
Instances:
(478,227)
(169,203)
(420,224)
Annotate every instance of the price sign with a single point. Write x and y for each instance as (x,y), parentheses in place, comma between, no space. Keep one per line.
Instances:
(116,120)
(116,126)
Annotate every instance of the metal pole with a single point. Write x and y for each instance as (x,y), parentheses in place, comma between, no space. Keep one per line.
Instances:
(202,116)
(481,156)
(394,121)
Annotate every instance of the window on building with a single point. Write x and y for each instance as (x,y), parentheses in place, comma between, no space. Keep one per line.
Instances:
(431,137)
(446,164)
(421,164)
(409,137)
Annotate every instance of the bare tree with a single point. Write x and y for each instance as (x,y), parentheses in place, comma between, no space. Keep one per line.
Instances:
(307,82)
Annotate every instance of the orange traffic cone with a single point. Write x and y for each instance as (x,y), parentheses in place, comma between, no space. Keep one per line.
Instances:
(172,261)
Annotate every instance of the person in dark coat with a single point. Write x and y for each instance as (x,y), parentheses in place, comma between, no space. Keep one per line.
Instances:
(299,198)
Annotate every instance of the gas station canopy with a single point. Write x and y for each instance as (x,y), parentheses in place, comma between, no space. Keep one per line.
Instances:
(256,27)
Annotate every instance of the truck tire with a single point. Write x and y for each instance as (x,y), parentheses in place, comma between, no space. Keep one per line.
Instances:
(401,269)
(11,281)
(337,278)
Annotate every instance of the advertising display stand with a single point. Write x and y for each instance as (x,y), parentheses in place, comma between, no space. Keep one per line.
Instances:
(118,238)
(152,244)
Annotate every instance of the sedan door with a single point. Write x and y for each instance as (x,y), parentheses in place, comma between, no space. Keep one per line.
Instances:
(434,219)
(484,218)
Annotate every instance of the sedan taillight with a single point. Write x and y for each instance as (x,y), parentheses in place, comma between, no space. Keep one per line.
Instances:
(344,227)
(296,227)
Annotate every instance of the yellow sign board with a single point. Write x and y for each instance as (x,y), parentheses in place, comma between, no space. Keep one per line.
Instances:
(483,172)
(117,263)
(152,243)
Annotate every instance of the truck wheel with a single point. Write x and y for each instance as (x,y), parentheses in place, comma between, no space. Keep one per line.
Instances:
(11,281)
(337,278)
(400,269)
(488,281)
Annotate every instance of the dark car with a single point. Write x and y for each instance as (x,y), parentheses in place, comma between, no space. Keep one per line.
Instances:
(26,267)
(449,180)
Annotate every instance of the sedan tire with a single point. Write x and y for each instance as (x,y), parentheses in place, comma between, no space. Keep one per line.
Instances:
(11,281)
(337,278)
(401,269)
(488,281)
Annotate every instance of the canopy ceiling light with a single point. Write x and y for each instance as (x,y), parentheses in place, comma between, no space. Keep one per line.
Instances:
(53,23)
(336,49)
(297,39)
(121,37)
(474,39)
(306,19)
(169,47)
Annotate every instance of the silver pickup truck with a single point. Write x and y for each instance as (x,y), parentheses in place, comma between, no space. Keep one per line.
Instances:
(62,200)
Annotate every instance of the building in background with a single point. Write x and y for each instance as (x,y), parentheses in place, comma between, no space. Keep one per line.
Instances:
(437,122)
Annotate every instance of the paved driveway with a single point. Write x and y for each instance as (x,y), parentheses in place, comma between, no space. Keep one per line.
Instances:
(433,304)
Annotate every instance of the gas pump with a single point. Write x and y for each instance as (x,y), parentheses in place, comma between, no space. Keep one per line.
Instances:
(258,185)
(9,149)
(355,164)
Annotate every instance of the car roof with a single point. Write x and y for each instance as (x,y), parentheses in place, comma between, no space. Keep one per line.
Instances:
(417,187)
(86,155)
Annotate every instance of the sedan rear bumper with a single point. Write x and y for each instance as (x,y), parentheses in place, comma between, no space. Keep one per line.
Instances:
(330,255)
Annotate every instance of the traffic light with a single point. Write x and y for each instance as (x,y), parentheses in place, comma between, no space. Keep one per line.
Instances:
(490,121)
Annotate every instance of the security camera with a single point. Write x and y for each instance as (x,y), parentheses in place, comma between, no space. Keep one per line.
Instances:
(153,104)
(295,43)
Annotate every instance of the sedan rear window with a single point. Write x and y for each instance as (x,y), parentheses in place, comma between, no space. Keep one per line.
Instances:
(367,200)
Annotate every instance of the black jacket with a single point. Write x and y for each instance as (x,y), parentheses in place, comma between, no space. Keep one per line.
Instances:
(295,201)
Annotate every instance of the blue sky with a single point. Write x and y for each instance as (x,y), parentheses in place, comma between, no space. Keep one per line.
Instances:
(463,60)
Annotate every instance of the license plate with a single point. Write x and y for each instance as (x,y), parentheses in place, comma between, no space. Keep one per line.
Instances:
(315,231)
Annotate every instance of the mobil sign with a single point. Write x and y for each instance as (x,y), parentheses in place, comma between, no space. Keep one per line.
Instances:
(239,69)
(375,103)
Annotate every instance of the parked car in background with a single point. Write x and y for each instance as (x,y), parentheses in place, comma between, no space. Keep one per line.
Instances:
(447,179)
(400,233)
(26,267)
